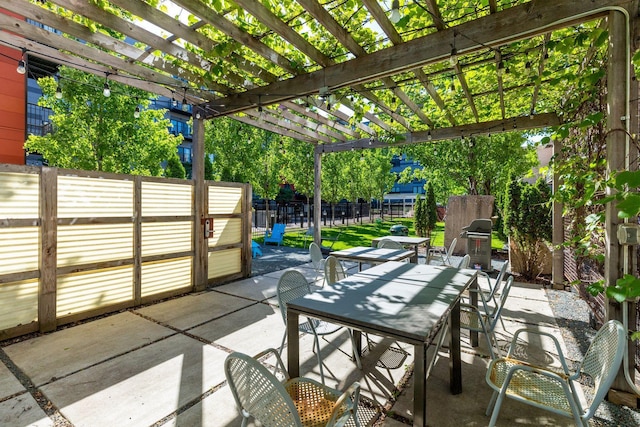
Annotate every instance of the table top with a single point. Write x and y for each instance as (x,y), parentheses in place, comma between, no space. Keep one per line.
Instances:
(394,299)
(372,255)
(404,240)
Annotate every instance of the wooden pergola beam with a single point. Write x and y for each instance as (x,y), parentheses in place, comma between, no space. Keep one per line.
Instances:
(484,128)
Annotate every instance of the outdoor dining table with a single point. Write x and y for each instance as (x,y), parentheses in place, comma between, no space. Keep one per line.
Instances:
(406,241)
(402,301)
(363,254)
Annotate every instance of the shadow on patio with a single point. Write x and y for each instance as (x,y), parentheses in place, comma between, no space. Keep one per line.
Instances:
(162,365)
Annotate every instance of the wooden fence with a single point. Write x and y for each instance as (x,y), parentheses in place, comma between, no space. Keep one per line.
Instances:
(76,244)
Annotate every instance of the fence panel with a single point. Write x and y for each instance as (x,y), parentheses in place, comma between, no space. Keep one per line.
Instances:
(112,241)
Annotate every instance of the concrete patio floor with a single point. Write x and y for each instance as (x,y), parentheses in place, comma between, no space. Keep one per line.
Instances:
(162,365)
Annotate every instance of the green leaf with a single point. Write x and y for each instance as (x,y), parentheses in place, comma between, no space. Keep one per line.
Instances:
(629,207)
(630,178)
(616,293)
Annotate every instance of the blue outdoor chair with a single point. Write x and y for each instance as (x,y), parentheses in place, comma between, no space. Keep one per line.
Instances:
(274,236)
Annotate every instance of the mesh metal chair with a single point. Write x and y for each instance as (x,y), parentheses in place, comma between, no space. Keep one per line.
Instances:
(465,261)
(554,391)
(333,270)
(294,402)
(389,244)
(493,288)
(317,260)
(292,285)
(440,255)
(485,320)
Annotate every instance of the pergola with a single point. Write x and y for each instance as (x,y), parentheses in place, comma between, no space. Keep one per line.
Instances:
(349,74)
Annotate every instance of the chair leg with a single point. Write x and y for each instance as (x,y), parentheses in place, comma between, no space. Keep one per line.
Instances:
(492,402)
(496,408)
(434,359)
(317,345)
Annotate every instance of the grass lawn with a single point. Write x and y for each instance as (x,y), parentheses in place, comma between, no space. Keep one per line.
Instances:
(362,234)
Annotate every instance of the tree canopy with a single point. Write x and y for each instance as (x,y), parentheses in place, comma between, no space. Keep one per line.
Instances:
(95,132)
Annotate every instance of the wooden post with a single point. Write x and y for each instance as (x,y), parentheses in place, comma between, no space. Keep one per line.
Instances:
(317,196)
(617,72)
(48,259)
(246,230)
(557,239)
(137,240)
(201,252)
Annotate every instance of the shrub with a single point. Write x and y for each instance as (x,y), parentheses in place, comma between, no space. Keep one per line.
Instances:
(527,222)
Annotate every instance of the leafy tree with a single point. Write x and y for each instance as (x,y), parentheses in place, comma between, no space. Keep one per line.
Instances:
(174,168)
(94,132)
(420,216)
(333,180)
(431,209)
(477,165)
(298,168)
(381,179)
(208,169)
(528,224)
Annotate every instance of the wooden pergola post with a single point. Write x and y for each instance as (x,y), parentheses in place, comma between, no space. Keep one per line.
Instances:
(558,226)
(200,259)
(617,256)
(317,196)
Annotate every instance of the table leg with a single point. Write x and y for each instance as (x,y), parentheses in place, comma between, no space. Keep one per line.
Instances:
(420,386)
(414,258)
(473,336)
(455,363)
(357,340)
(293,345)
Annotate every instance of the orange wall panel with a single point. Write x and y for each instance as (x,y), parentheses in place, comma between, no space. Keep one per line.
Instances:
(12,108)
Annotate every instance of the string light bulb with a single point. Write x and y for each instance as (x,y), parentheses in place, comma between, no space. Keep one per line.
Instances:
(136,112)
(453,59)
(174,101)
(501,67)
(395,16)
(22,66)
(185,105)
(58,92)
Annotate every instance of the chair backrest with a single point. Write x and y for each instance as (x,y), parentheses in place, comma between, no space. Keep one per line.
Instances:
(496,286)
(258,392)
(278,230)
(497,310)
(464,262)
(389,244)
(333,265)
(602,362)
(310,231)
(452,247)
(316,256)
(292,284)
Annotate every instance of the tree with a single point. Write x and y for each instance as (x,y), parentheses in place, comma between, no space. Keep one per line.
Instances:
(174,168)
(431,209)
(208,169)
(420,216)
(94,132)
(528,225)
(475,165)
(298,168)
(333,180)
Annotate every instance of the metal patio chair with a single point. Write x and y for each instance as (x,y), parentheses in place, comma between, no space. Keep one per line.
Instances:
(294,402)
(465,261)
(317,261)
(292,285)
(556,392)
(442,255)
(485,319)
(389,244)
